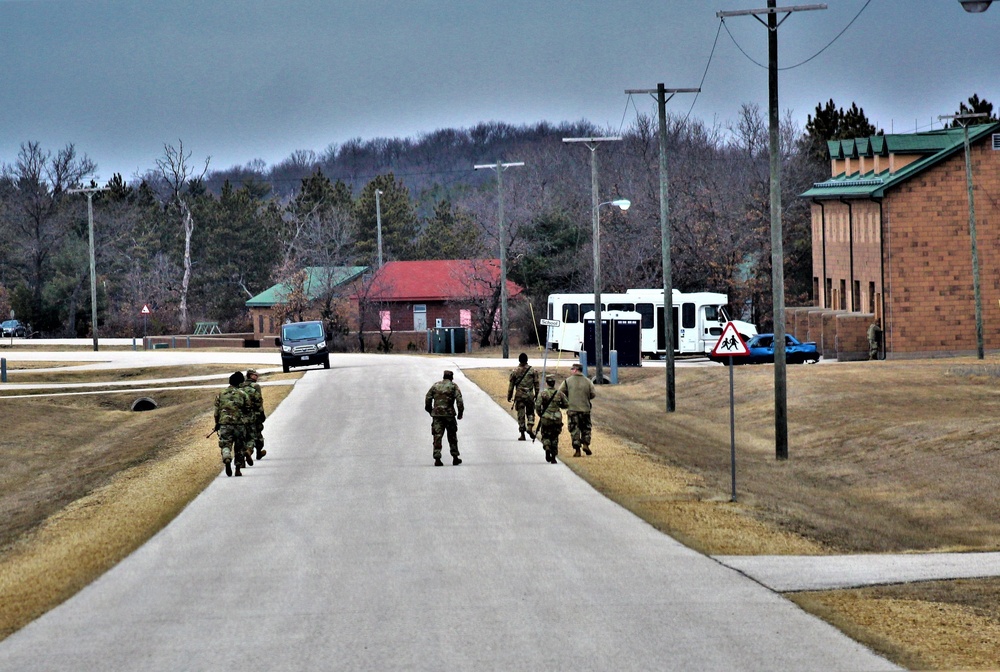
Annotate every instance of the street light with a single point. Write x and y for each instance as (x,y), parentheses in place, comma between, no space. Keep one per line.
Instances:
(93,266)
(504,324)
(592,144)
(378,224)
(975,6)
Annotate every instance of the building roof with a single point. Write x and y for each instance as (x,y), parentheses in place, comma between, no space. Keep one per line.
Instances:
(932,147)
(318,278)
(438,280)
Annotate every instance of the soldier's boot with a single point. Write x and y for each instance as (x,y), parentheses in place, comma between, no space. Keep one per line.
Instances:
(456,460)
(521,438)
(530,432)
(554,452)
(260,453)
(586,449)
(438,462)
(576,452)
(248,458)
(238,472)
(229,466)
(548,456)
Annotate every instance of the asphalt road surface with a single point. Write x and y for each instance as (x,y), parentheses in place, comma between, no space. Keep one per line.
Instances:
(345,549)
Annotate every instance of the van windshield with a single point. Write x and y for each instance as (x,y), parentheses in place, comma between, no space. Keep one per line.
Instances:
(301,332)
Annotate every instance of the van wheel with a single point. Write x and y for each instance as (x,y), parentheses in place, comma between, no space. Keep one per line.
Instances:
(326,363)
(284,368)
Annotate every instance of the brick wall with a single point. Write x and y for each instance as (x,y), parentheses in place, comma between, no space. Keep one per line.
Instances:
(852,335)
(929,258)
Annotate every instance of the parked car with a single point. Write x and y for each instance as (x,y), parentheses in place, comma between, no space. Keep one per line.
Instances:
(761,349)
(14,328)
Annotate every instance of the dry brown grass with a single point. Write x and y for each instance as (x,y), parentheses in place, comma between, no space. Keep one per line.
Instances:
(887,456)
(82,492)
(25,372)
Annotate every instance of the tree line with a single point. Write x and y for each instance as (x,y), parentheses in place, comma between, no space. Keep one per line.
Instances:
(194,243)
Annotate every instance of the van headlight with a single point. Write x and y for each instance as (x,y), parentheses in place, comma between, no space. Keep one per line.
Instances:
(286,348)
(321,345)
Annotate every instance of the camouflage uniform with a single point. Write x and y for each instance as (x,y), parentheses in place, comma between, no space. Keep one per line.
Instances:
(441,401)
(579,391)
(255,423)
(551,423)
(522,389)
(230,407)
(874,339)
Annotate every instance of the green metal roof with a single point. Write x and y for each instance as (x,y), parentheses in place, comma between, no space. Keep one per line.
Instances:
(317,279)
(934,146)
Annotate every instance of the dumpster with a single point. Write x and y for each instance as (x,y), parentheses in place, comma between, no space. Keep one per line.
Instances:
(447,340)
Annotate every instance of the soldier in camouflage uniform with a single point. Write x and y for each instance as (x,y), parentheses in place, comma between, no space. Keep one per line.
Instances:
(579,391)
(550,401)
(522,389)
(255,426)
(230,407)
(440,401)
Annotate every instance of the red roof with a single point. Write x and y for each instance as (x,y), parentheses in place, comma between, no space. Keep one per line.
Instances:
(440,280)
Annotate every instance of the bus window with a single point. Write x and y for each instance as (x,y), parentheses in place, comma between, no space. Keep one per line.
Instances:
(585,308)
(688,317)
(712,313)
(646,310)
(570,314)
(622,306)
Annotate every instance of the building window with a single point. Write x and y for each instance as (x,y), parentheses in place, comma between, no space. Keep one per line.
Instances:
(815,291)
(385,320)
(871,297)
(856,297)
(843,294)
(828,294)
(260,323)
(465,318)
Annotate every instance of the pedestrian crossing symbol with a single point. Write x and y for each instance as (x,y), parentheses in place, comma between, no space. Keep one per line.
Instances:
(730,343)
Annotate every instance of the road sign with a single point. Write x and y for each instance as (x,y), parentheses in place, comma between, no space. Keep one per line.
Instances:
(145,310)
(549,323)
(730,343)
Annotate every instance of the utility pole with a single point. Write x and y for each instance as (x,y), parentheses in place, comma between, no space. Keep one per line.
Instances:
(378,224)
(777,247)
(504,324)
(963,121)
(592,144)
(93,266)
(668,290)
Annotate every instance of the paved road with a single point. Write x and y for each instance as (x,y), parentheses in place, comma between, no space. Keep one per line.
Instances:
(345,549)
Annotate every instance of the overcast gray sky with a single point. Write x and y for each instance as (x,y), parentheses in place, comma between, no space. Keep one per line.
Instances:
(248,79)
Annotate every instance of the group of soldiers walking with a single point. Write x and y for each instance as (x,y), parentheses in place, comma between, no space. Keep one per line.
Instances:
(444,404)
(239,420)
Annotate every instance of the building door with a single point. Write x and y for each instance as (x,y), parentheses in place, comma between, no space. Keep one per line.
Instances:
(420,317)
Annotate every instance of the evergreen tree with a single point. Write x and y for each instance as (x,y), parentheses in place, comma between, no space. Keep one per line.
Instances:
(976,106)
(399,221)
(449,234)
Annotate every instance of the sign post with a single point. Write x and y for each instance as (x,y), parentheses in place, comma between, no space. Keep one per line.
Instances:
(145,314)
(545,357)
(731,344)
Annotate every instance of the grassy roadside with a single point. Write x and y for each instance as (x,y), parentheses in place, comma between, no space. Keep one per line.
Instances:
(65,520)
(895,423)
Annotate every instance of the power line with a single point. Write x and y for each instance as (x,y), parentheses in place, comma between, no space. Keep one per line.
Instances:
(792,67)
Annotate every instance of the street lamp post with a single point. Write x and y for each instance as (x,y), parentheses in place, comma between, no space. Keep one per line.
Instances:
(975,6)
(592,144)
(962,120)
(504,324)
(93,265)
(378,224)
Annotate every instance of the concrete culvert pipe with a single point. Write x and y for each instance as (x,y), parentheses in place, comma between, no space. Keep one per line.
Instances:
(144,404)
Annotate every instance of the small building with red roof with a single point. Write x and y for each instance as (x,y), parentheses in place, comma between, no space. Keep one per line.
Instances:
(413,296)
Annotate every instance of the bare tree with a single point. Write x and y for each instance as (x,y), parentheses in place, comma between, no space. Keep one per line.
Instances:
(176,171)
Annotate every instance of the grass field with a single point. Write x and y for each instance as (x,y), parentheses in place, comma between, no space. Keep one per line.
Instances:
(886,456)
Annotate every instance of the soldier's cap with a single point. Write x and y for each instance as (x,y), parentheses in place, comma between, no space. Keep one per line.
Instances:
(522,358)
(449,375)
(236,379)
(549,378)
(577,366)
(252,372)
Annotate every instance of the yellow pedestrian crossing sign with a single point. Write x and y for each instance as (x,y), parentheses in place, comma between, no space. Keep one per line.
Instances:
(730,344)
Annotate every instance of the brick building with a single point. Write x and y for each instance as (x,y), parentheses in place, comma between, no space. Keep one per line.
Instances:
(413,296)
(890,238)
(316,282)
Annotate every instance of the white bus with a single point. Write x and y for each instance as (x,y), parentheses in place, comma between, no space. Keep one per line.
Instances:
(698,319)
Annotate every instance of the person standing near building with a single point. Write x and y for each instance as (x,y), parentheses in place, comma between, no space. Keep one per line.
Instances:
(523,389)
(550,423)
(874,339)
(441,402)
(578,391)
(255,424)
(231,405)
